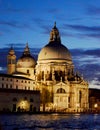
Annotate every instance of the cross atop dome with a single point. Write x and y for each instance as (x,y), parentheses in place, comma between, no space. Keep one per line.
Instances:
(11,47)
(55,24)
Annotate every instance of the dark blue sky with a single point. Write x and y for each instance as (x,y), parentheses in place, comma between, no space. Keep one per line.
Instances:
(31,21)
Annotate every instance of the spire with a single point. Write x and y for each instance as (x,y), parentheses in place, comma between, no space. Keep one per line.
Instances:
(55,24)
(11,47)
(54,35)
(27,44)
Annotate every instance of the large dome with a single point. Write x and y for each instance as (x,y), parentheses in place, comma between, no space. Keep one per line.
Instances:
(26,60)
(54,50)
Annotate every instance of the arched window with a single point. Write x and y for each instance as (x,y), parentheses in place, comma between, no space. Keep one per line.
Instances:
(14,99)
(61,90)
(31,100)
(25,98)
(10,86)
(2,85)
(16,87)
(6,85)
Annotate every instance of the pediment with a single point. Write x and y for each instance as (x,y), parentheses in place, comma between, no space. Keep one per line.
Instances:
(84,82)
(62,84)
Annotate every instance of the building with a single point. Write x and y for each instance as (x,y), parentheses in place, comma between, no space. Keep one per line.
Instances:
(18,94)
(61,88)
(14,100)
(55,72)
(94,100)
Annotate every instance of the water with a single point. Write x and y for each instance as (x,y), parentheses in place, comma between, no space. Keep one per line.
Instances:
(50,122)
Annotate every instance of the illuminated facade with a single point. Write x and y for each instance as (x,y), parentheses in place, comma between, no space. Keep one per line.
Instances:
(94,100)
(53,74)
(17,100)
(18,94)
(68,91)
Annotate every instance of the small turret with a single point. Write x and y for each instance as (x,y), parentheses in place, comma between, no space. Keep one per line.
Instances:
(11,61)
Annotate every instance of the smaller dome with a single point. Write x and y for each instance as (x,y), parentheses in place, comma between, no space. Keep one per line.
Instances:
(26,60)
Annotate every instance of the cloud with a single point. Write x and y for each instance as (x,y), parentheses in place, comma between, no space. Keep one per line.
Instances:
(54,11)
(15,24)
(87,62)
(15,45)
(81,31)
(93,52)
(83,27)
(93,10)
(17,10)
(3,69)
(85,52)
(46,29)
(66,34)
(92,35)
(8,8)
(12,10)
(94,83)
(40,22)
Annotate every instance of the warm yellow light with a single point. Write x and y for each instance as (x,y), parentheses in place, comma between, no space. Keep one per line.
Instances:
(23,104)
(95,105)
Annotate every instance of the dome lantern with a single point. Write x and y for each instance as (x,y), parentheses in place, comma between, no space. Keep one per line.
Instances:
(26,50)
(54,35)
(54,51)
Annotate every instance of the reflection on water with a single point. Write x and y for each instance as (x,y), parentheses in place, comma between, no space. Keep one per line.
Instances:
(50,122)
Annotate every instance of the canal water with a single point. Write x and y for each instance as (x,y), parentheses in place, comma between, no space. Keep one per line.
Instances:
(50,122)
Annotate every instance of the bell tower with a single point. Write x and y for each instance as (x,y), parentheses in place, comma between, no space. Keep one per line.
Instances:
(11,61)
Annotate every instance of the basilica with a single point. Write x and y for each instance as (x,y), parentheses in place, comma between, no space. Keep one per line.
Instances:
(49,83)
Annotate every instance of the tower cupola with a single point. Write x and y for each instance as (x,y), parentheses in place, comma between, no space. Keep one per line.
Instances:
(11,61)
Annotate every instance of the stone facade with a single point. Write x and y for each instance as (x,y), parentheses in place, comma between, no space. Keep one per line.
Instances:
(55,71)
(94,100)
(61,88)
(15,100)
